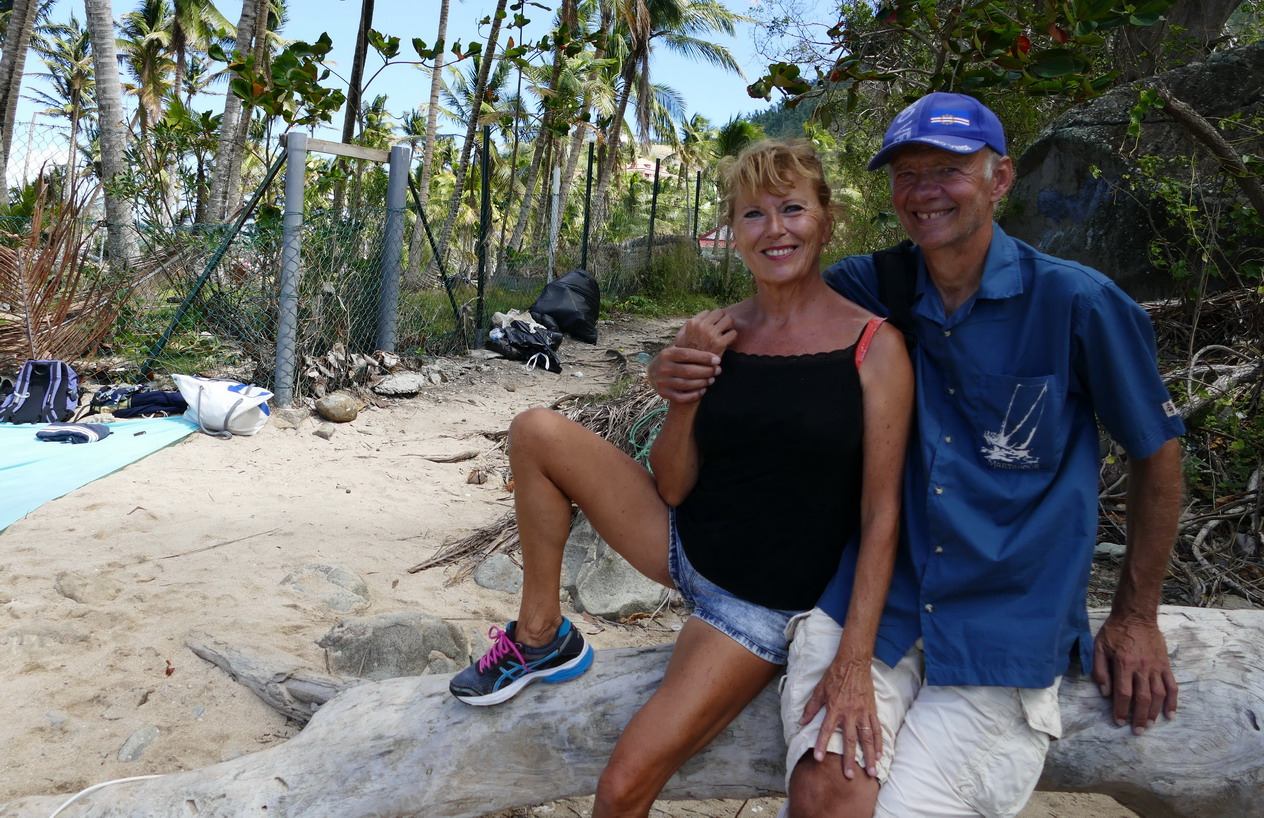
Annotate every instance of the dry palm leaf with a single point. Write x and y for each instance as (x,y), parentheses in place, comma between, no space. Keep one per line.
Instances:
(53,302)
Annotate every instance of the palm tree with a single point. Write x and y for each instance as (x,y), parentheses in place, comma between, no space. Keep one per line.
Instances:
(12,64)
(120,230)
(226,173)
(680,26)
(67,54)
(194,25)
(732,137)
(485,64)
(146,45)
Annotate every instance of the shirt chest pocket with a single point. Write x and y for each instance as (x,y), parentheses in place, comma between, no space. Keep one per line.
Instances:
(1016,421)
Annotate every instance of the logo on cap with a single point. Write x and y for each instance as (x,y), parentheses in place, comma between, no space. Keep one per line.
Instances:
(959,118)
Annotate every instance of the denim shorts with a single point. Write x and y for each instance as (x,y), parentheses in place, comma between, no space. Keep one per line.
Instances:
(760,630)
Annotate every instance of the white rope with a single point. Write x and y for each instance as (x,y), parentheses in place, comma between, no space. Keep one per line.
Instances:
(82,793)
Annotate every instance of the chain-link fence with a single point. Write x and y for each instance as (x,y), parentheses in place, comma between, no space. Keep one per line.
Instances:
(205,298)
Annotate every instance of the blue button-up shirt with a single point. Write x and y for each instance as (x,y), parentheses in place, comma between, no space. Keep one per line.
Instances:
(1000,489)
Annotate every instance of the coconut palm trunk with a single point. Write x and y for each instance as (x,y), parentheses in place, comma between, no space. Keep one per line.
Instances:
(12,65)
(232,142)
(427,148)
(476,107)
(120,224)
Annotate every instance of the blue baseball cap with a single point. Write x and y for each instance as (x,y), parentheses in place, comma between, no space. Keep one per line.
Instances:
(953,122)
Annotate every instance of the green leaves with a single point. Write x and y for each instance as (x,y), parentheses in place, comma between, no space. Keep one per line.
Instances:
(293,91)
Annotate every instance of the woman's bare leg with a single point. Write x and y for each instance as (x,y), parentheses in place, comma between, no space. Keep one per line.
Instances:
(709,680)
(556,461)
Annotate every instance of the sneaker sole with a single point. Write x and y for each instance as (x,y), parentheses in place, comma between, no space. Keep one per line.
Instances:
(562,673)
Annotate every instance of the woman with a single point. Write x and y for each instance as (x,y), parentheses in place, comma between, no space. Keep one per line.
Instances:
(757,490)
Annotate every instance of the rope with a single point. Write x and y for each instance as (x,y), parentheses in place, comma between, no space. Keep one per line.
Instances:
(641,450)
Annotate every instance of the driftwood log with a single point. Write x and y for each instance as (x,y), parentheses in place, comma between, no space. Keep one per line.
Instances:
(405,748)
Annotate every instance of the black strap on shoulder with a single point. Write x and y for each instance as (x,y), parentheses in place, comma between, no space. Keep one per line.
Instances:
(897,280)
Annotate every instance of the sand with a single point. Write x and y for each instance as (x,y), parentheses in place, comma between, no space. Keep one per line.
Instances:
(200,536)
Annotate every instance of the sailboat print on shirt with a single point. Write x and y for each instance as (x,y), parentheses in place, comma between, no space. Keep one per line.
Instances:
(1010,446)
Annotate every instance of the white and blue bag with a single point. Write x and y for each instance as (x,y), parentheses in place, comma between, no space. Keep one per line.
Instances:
(224,408)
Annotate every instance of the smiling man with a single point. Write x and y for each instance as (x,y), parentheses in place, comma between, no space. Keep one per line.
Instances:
(1017,355)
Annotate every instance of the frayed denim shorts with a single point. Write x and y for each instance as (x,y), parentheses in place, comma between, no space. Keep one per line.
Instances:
(760,630)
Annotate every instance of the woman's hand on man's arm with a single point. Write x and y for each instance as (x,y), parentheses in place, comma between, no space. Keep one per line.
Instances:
(682,372)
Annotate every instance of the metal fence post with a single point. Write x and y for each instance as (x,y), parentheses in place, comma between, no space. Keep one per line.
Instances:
(392,248)
(291,267)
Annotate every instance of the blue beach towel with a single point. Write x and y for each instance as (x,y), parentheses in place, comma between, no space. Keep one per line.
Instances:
(32,472)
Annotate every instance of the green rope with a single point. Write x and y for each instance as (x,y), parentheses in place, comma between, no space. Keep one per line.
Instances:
(648,427)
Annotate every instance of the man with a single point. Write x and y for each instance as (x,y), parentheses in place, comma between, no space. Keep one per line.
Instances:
(1015,354)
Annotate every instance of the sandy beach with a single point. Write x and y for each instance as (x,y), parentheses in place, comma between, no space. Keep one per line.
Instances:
(99,588)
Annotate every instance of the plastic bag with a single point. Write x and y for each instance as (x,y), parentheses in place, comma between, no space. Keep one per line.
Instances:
(570,304)
(532,343)
(224,408)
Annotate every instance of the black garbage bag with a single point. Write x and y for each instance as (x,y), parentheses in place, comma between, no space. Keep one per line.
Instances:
(570,304)
(521,341)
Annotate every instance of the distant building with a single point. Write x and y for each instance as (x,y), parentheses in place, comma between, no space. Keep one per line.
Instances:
(714,242)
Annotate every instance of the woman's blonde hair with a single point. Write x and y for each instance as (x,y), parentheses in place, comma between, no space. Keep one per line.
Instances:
(774,165)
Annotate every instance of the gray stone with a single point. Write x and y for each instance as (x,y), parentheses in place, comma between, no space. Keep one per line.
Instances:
(1080,193)
(137,743)
(1109,551)
(499,573)
(581,549)
(56,719)
(405,643)
(1234,602)
(338,407)
(611,588)
(402,384)
(326,431)
(87,588)
(290,418)
(333,586)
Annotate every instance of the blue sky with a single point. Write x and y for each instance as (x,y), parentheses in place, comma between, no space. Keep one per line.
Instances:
(712,92)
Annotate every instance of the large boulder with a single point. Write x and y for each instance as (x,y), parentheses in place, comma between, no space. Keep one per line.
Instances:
(1081,195)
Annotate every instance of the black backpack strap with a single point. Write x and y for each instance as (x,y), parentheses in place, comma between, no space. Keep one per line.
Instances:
(897,280)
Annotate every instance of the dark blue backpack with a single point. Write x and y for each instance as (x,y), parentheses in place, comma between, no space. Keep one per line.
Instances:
(46,392)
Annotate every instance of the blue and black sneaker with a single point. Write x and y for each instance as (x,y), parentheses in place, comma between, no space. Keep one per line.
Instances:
(510,666)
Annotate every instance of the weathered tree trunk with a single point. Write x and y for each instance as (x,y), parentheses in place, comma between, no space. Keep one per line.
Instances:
(12,66)
(405,747)
(232,142)
(120,223)
(413,275)
(471,129)
(1188,32)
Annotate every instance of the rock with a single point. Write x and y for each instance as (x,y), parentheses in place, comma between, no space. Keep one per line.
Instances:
(581,549)
(405,643)
(338,407)
(1109,551)
(611,588)
(56,719)
(1080,194)
(289,418)
(87,588)
(436,378)
(402,384)
(326,431)
(335,587)
(499,573)
(136,743)
(1233,602)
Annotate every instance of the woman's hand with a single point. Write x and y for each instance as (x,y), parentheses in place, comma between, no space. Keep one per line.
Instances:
(682,372)
(846,693)
(710,331)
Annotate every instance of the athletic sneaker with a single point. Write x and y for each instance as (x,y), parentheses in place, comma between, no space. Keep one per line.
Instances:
(510,666)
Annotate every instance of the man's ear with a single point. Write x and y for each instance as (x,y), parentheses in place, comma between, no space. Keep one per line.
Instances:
(1002,178)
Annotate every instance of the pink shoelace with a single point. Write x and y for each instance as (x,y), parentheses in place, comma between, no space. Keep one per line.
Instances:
(502,646)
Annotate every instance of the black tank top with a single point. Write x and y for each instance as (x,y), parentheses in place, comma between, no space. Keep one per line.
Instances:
(778,491)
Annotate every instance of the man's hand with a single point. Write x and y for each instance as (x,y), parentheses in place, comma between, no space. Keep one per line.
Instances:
(846,693)
(1130,665)
(682,372)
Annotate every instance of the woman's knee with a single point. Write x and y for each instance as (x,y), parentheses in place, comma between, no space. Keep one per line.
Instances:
(629,787)
(819,792)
